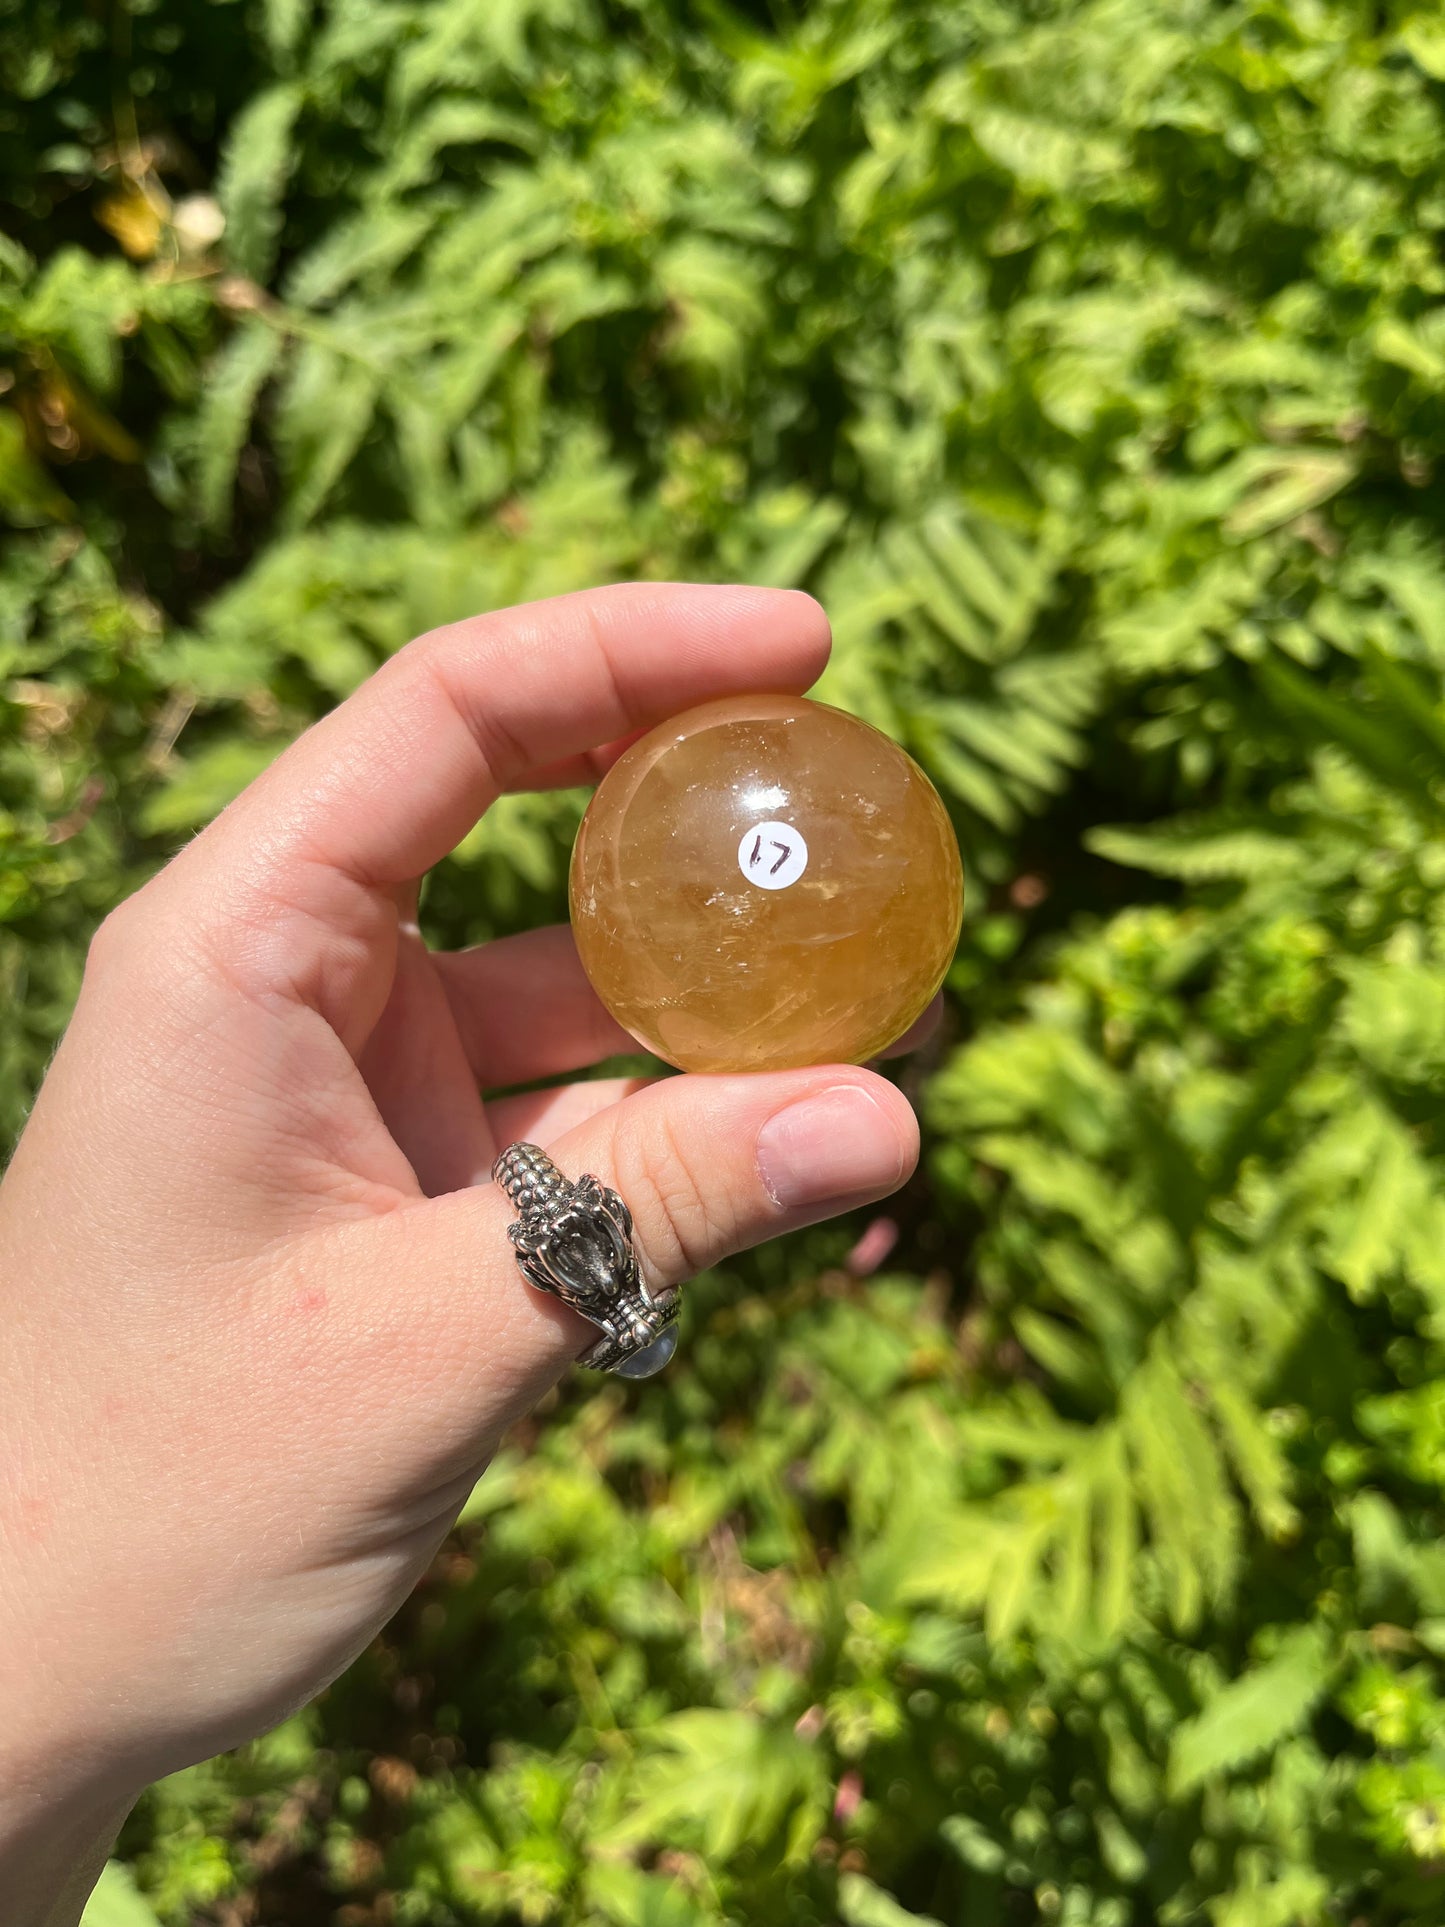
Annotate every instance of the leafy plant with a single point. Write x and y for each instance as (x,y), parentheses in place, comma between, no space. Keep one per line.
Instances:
(1086,360)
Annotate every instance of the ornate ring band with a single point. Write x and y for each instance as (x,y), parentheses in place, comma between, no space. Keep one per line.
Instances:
(575,1241)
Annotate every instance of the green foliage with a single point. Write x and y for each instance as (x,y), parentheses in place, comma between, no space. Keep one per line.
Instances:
(1253,1713)
(1086,358)
(117,1901)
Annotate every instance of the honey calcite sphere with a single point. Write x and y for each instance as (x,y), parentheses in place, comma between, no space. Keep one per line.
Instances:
(764,882)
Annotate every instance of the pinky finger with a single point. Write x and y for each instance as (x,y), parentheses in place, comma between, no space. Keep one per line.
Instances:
(921,1031)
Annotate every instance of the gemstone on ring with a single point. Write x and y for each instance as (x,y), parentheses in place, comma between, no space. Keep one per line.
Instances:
(651,1359)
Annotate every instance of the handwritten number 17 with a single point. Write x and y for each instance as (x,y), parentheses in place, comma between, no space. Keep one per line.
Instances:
(786,850)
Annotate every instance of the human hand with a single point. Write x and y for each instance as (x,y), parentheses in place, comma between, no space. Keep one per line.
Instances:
(263,1324)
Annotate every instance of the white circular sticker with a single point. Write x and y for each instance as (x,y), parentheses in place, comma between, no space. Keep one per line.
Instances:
(772,855)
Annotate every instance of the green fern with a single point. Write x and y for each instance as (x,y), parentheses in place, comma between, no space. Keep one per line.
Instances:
(1085,359)
(1252,1714)
(258,160)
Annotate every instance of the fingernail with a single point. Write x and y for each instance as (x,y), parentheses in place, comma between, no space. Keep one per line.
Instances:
(840,1144)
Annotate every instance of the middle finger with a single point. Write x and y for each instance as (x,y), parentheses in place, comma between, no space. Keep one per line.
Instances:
(524,1009)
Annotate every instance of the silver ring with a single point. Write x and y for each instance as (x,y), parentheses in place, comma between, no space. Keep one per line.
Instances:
(575,1241)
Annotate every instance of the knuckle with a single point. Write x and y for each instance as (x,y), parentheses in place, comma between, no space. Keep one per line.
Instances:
(142,946)
(503,751)
(116,938)
(680,1221)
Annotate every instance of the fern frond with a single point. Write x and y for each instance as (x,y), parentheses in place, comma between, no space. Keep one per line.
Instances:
(232,385)
(1252,1714)
(254,171)
(1199,851)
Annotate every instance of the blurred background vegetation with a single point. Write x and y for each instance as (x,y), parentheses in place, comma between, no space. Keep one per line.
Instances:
(1063,1548)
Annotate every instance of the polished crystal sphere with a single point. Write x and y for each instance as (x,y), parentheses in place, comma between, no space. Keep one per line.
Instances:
(764,882)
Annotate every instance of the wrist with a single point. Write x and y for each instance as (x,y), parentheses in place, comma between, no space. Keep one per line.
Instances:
(62,1800)
(63,1792)
(54,1842)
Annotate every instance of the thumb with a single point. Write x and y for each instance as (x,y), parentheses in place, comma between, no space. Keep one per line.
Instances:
(707,1166)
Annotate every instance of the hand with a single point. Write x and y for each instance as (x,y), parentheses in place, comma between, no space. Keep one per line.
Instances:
(262,1323)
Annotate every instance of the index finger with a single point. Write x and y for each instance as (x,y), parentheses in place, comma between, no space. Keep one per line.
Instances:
(391,781)
(380,790)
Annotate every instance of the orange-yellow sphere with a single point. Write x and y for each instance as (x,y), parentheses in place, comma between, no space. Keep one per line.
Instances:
(764,882)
